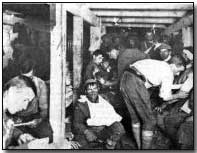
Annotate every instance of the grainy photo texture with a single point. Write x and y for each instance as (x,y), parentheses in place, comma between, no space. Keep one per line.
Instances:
(115,76)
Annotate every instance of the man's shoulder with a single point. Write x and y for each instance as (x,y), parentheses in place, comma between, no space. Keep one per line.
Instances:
(82,106)
(39,81)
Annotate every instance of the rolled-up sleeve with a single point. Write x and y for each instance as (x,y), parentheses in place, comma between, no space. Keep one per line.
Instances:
(166,87)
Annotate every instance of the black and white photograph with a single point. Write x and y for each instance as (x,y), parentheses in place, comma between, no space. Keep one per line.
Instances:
(98,76)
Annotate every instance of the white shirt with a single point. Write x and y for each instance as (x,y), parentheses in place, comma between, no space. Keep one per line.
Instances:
(158,73)
(188,84)
(101,113)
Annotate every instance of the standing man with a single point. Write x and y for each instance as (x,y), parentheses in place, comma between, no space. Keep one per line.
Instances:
(134,86)
(148,43)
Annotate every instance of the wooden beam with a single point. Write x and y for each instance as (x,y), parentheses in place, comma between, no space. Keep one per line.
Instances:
(79,9)
(95,38)
(57,75)
(187,36)
(184,22)
(140,13)
(141,6)
(77,50)
(136,25)
(141,20)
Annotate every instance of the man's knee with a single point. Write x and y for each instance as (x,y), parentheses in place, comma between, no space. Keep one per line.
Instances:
(117,128)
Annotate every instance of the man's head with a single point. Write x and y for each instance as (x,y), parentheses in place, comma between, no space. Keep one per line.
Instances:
(92,89)
(27,67)
(149,36)
(177,64)
(113,53)
(98,56)
(23,90)
(164,51)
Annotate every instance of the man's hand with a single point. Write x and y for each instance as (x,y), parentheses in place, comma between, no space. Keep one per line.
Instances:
(35,122)
(90,136)
(183,95)
(161,108)
(25,138)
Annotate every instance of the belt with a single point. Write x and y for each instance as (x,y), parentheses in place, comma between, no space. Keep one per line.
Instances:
(134,71)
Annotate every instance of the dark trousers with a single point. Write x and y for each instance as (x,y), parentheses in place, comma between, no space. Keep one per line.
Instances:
(137,100)
(113,132)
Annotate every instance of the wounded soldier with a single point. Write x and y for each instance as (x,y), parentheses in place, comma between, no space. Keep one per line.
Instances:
(22,121)
(95,120)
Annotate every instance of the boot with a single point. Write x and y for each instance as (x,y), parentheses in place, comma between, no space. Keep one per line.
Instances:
(147,137)
(136,132)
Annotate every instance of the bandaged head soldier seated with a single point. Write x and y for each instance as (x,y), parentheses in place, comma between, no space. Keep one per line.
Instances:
(95,120)
(22,121)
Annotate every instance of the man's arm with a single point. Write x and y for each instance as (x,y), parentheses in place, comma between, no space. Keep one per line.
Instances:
(43,100)
(79,121)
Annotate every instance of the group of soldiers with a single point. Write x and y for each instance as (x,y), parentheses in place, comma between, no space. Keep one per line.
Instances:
(132,92)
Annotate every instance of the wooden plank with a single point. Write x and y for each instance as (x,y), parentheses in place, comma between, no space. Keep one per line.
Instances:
(80,9)
(184,22)
(141,6)
(136,25)
(140,20)
(187,36)
(140,13)
(95,38)
(77,50)
(57,77)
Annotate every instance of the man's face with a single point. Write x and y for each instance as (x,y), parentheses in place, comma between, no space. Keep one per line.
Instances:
(113,54)
(185,57)
(98,59)
(177,69)
(164,54)
(149,36)
(92,92)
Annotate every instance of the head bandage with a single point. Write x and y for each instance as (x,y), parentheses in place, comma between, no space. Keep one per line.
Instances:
(189,54)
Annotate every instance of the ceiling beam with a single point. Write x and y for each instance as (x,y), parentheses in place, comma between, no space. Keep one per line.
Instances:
(135,25)
(184,22)
(147,23)
(140,13)
(140,20)
(141,6)
(83,11)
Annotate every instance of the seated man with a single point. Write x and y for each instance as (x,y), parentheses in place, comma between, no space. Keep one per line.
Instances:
(94,65)
(95,120)
(22,119)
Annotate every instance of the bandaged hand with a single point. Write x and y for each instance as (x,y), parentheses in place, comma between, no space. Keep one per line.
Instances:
(90,136)
(35,122)
(25,138)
